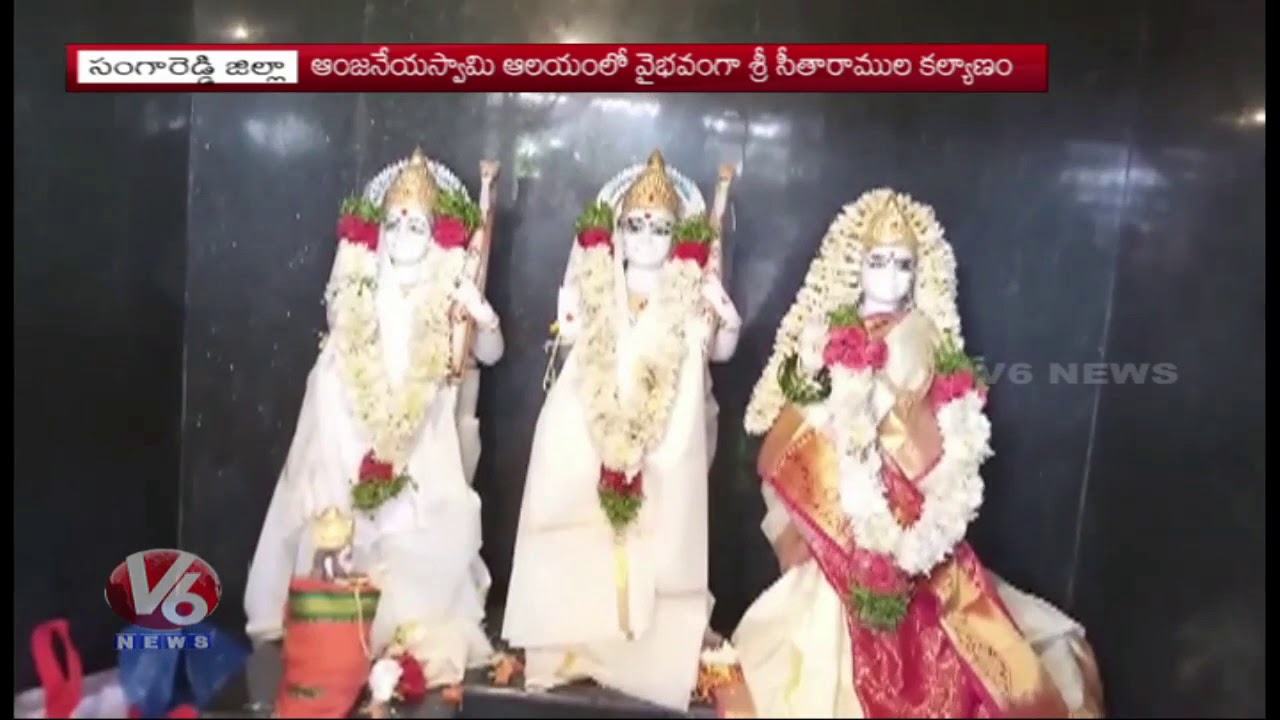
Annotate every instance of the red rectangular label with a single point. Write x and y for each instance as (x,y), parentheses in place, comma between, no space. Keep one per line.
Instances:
(558,68)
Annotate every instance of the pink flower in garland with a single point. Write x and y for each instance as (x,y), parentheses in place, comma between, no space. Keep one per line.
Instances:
(952,386)
(877,573)
(852,347)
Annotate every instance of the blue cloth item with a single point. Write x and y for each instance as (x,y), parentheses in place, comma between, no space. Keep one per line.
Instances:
(156,680)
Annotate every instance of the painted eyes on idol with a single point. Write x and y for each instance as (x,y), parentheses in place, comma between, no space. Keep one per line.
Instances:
(879,262)
(415,225)
(659,226)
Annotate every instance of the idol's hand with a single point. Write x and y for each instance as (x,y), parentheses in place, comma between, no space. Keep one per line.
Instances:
(468,296)
(790,548)
(713,292)
(813,340)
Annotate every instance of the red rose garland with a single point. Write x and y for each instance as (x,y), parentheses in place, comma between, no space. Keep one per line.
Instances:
(693,240)
(376,483)
(620,496)
(594,237)
(449,233)
(412,686)
(456,219)
(697,252)
(359,221)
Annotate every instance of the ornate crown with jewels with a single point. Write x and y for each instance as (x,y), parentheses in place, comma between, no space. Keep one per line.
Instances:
(414,188)
(653,189)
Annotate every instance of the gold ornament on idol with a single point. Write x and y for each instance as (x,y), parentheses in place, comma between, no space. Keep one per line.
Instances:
(652,189)
(332,529)
(889,226)
(414,188)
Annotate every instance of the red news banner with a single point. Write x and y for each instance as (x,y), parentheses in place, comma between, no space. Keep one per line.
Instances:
(558,68)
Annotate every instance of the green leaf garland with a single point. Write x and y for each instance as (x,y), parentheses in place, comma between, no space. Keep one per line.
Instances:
(456,204)
(596,216)
(360,207)
(695,230)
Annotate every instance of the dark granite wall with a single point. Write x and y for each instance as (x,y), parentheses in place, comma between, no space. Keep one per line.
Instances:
(1117,219)
(99,252)
(1171,561)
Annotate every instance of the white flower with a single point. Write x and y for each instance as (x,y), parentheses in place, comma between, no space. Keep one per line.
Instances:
(725,655)
(383,679)
(861,430)
(966,431)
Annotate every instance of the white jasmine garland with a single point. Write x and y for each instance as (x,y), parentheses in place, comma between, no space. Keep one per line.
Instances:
(390,414)
(952,490)
(624,432)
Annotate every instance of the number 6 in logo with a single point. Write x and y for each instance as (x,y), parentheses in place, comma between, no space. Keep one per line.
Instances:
(163,589)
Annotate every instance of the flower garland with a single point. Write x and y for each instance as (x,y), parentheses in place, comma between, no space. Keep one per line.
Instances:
(392,413)
(623,433)
(719,669)
(888,553)
(376,483)
(833,280)
(399,677)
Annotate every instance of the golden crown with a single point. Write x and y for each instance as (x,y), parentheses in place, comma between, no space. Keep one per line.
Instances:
(889,226)
(332,529)
(414,188)
(652,189)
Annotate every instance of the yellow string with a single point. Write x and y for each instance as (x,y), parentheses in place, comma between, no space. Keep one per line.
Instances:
(355,588)
(622,578)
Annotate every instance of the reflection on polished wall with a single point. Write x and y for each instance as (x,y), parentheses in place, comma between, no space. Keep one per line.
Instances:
(99,251)
(1118,218)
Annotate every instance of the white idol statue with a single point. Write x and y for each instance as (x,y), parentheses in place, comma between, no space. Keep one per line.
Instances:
(610,570)
(387,427)
(874,436)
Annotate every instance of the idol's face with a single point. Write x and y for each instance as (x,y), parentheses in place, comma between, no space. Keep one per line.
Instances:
(645,236)
(406,236)
(887,275)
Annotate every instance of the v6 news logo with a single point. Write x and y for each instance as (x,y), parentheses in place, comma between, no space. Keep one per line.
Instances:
(163,591)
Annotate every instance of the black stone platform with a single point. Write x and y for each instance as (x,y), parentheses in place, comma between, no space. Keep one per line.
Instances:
(251,694)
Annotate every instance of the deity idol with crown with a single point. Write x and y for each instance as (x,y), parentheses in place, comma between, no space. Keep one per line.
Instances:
(387,431)
(874,436)
(610,571)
